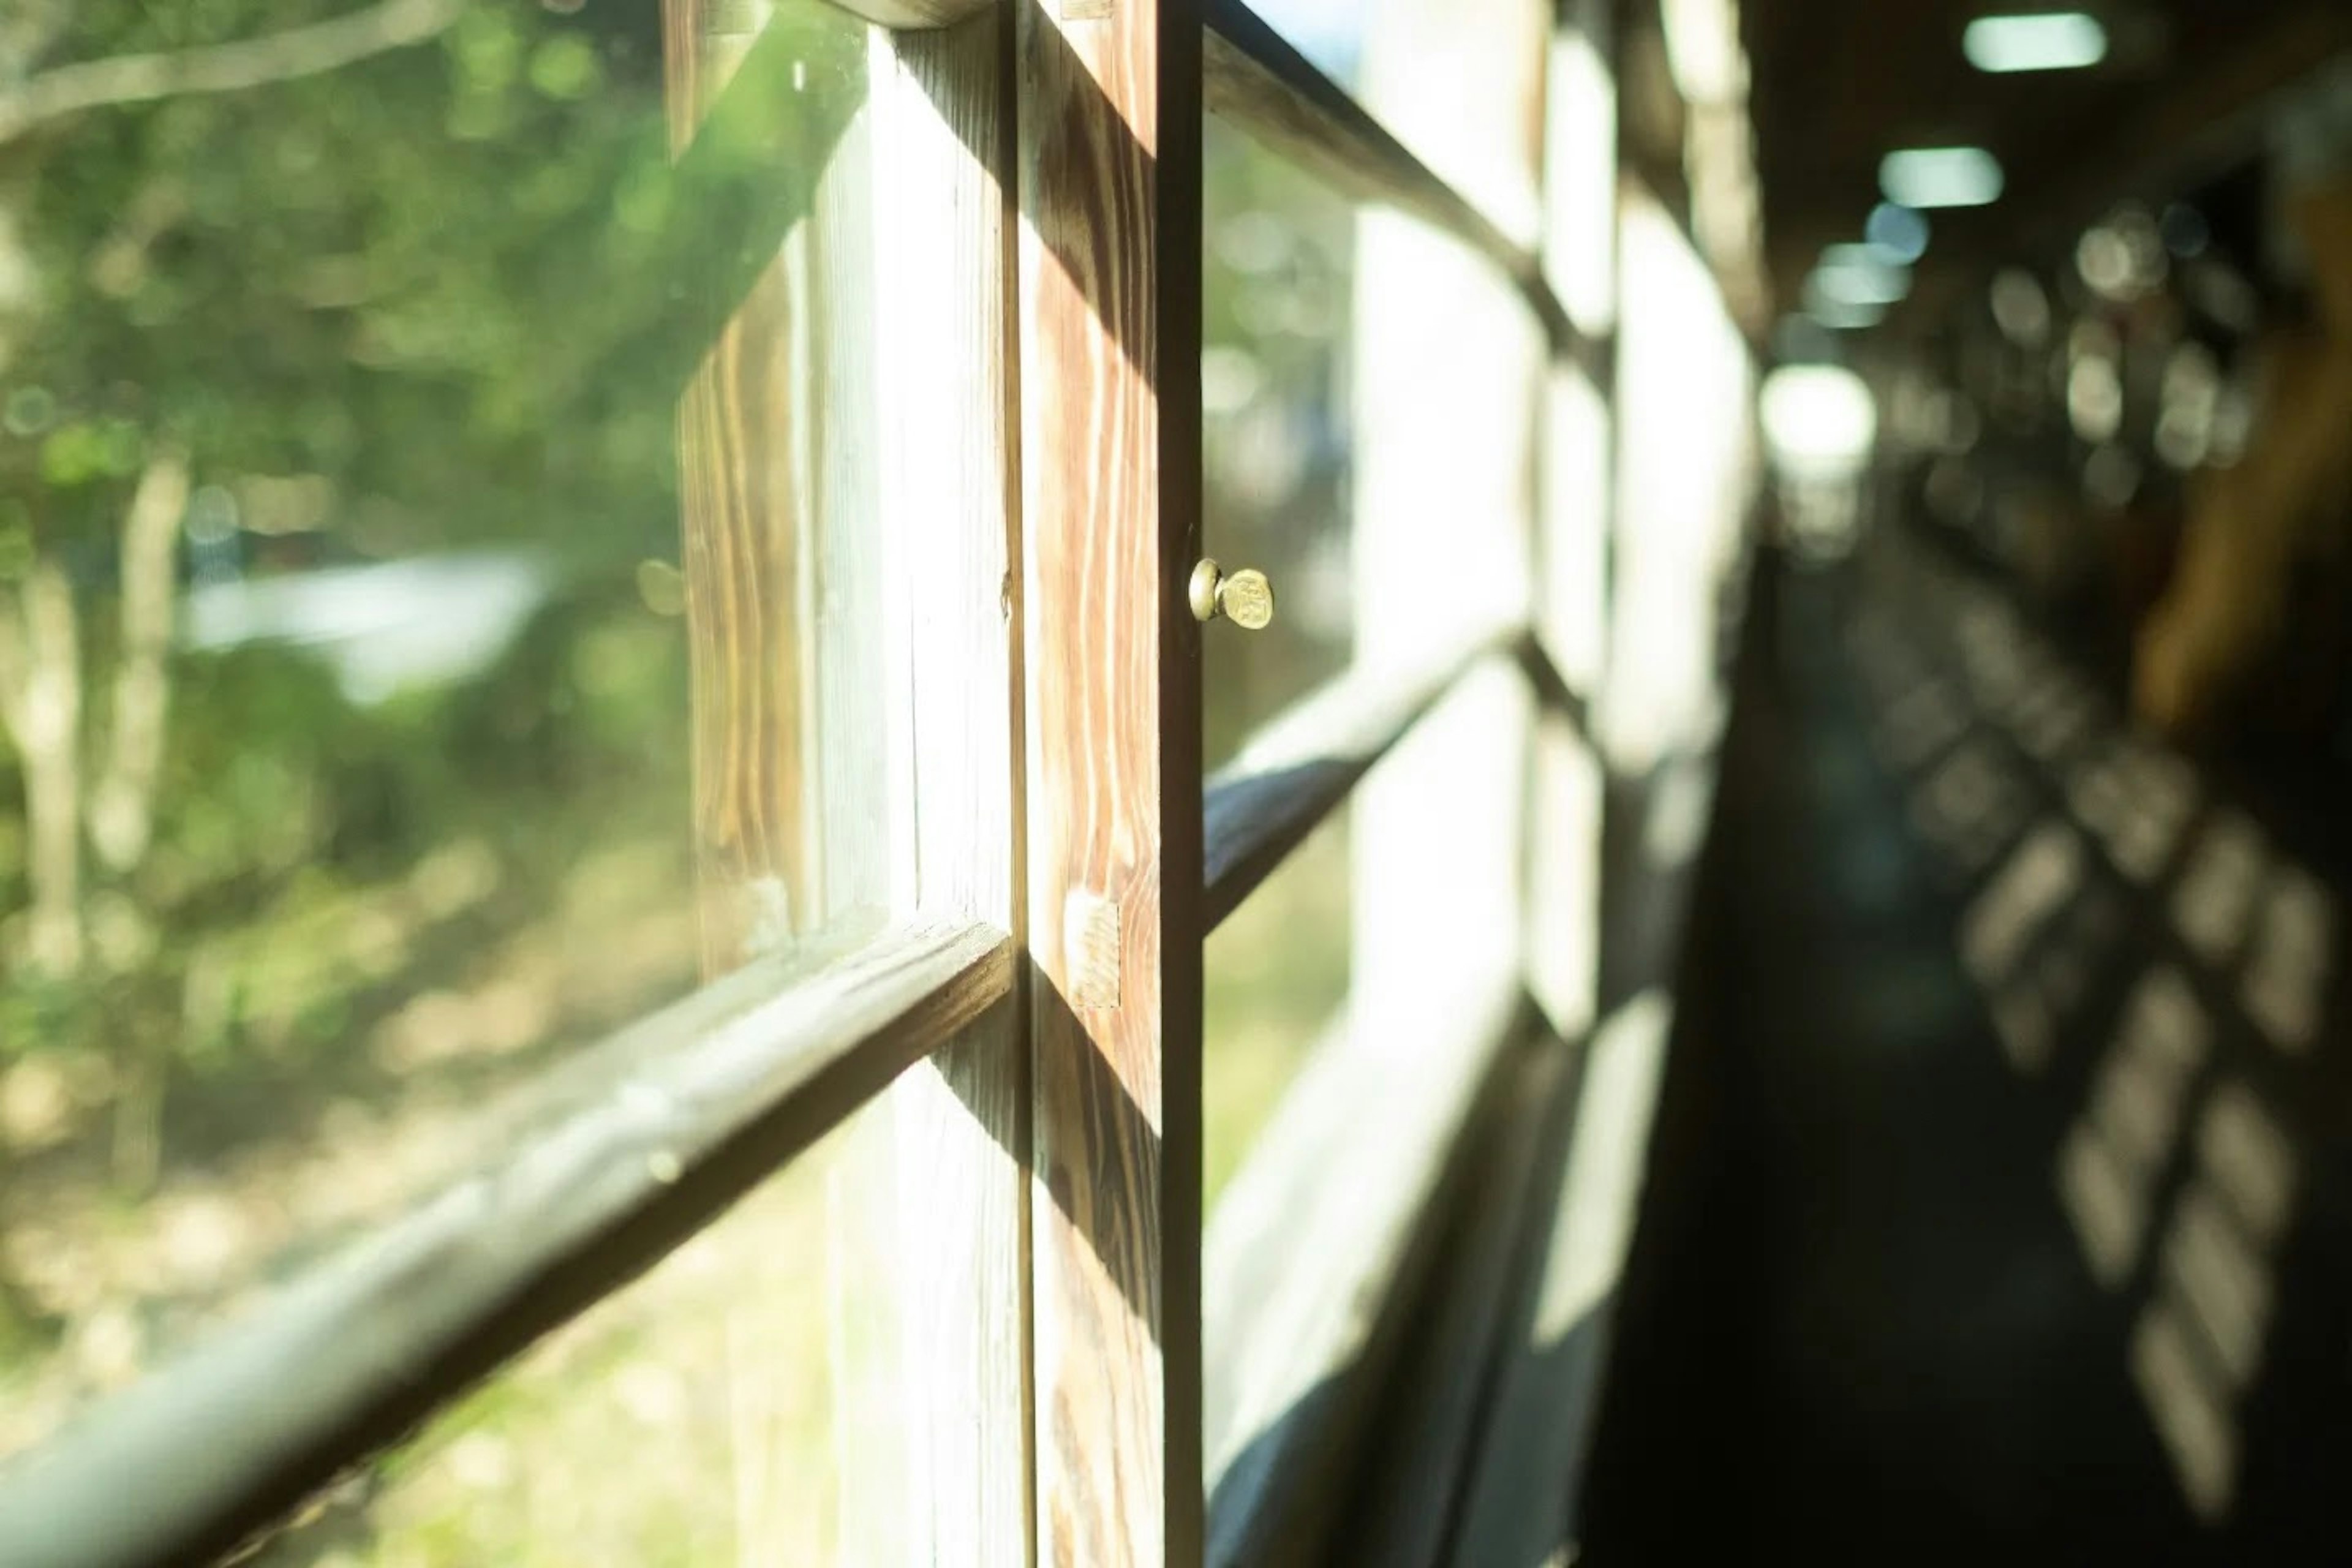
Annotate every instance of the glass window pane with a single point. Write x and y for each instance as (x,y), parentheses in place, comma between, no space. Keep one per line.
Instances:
(1365,48)
(1277,982)
(1274,389)
(351,669)
(697,1417)
(1277,293)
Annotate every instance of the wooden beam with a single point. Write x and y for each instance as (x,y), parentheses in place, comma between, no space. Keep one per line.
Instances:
(1578,174)
(1257,80)
(1109,180)
(1295,773)
(1571,539)
(664,1125)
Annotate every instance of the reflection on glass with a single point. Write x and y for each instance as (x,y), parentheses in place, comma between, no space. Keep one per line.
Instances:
(693,1418)
(1278,456)
(1277,975)
(1277,445)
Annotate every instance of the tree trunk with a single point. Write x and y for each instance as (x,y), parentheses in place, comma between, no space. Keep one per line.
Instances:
(40,699)
(122,806)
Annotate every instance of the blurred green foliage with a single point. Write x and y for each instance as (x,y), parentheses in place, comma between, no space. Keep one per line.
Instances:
(346,275)
(369,287)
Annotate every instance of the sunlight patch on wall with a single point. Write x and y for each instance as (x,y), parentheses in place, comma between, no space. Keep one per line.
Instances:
(1687,462)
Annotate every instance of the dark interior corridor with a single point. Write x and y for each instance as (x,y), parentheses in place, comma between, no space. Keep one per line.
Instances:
(1996,1203)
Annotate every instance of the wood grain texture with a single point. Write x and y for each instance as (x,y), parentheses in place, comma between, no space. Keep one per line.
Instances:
(949,1485)
(638,1144)
(857,716)
(1109,181)
(744,547)
(847,539)
(1255,79)
(1296,771)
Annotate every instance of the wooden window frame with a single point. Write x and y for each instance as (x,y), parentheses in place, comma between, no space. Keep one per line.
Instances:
(1036,207)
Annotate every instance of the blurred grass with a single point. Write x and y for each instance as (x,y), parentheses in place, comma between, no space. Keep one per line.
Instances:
(1277,975)
(686,1421)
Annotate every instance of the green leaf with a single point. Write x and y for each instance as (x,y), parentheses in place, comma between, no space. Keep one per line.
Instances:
(74,455)
(122,447)
(565,68)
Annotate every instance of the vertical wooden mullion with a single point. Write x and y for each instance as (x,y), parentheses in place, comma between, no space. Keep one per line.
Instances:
(1574,454)
(843,594)
(1523,1503)
(943,1476)
(847,453)
(1447,365)
(1109,172)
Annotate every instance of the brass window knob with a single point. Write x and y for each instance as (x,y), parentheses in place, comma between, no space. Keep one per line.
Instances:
(1243,597)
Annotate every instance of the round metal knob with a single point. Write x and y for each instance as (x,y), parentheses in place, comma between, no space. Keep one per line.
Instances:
(1243,597)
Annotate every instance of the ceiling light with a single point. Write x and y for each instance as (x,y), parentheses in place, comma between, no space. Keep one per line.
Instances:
(1941,177)
(1897,233)
(2047,41)
(1858,275)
